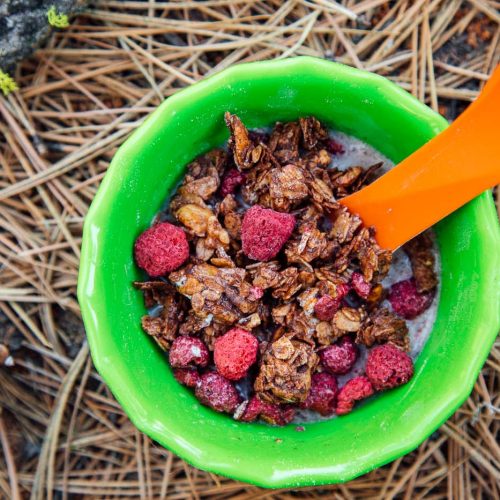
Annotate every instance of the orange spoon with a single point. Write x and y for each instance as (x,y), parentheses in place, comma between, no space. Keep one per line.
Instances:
(441,176)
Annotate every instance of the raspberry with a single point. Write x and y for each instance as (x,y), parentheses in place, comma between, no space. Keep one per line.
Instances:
(264,232)
(334,147)
(161,249)
(339,358)
(235,352)
(321,397)
(187,376)
(270,413)
(257,292)
(356,389)
(406,301)
(253,410)
(218,393)
(231,180)
(360,285)
(188,351)
(326,307)
(342,289)
(387,367)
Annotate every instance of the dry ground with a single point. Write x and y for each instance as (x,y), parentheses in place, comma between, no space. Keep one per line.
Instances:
(63,435)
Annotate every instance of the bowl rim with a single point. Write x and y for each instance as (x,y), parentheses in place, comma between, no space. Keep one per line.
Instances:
(490,245)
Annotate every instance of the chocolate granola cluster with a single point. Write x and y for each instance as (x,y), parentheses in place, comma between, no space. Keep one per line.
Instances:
(266,285)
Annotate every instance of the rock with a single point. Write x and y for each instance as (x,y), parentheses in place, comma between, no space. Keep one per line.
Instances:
(24,25)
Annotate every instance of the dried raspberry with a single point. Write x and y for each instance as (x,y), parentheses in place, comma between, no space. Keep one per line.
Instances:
(277,415)
(406,301)
(161,249)
(326,307)
(257,292)
(187,351)
(356,389)
(264,232)
(270,413)
(218,393)
(334,147)
(187,376)
(235,352)
(360,285)
(339,358)
(342,289)
(321,397)
(232,179)
(253,410)
(387,367)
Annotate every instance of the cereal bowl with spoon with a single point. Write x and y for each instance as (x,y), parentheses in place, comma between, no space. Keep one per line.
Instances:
(145,172)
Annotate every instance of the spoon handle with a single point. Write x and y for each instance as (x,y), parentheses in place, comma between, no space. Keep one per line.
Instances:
(441,176)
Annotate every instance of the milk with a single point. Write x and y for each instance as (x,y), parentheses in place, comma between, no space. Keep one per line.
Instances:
(357,153)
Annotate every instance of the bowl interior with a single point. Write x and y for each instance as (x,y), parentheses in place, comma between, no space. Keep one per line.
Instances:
(144,172)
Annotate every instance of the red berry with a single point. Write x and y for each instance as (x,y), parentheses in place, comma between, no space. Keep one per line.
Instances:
(253,410)
(264,232)
(271,413)
(334,147)
(342,289)
(339,358)
(218,393)
(231,180)
(161,249)
(235,352)
(407,301)
(360,285)
(187,376)
(188,351)
(356,389)
(326,307)
(321,397)
(387,367)
(257,292)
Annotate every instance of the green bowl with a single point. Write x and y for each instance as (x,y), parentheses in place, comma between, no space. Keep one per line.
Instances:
(144,172)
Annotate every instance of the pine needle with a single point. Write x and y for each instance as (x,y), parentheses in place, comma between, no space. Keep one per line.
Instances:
(81,94)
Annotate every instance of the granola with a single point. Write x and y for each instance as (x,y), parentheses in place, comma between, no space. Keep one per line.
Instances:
(280,287)
(382,326)
(286,370)
(163,327)
(419,251)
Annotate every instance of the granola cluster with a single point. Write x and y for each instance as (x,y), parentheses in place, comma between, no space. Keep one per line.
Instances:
(280,285)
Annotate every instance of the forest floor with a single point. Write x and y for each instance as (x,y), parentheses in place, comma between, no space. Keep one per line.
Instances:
(63,434)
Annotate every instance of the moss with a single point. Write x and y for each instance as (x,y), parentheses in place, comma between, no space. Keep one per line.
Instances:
(7,83)
(57,20)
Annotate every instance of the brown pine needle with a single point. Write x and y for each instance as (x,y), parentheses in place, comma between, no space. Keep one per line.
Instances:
(80,96)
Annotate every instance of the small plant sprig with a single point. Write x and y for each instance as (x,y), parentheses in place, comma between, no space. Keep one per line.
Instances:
(57,20)
(7,83)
